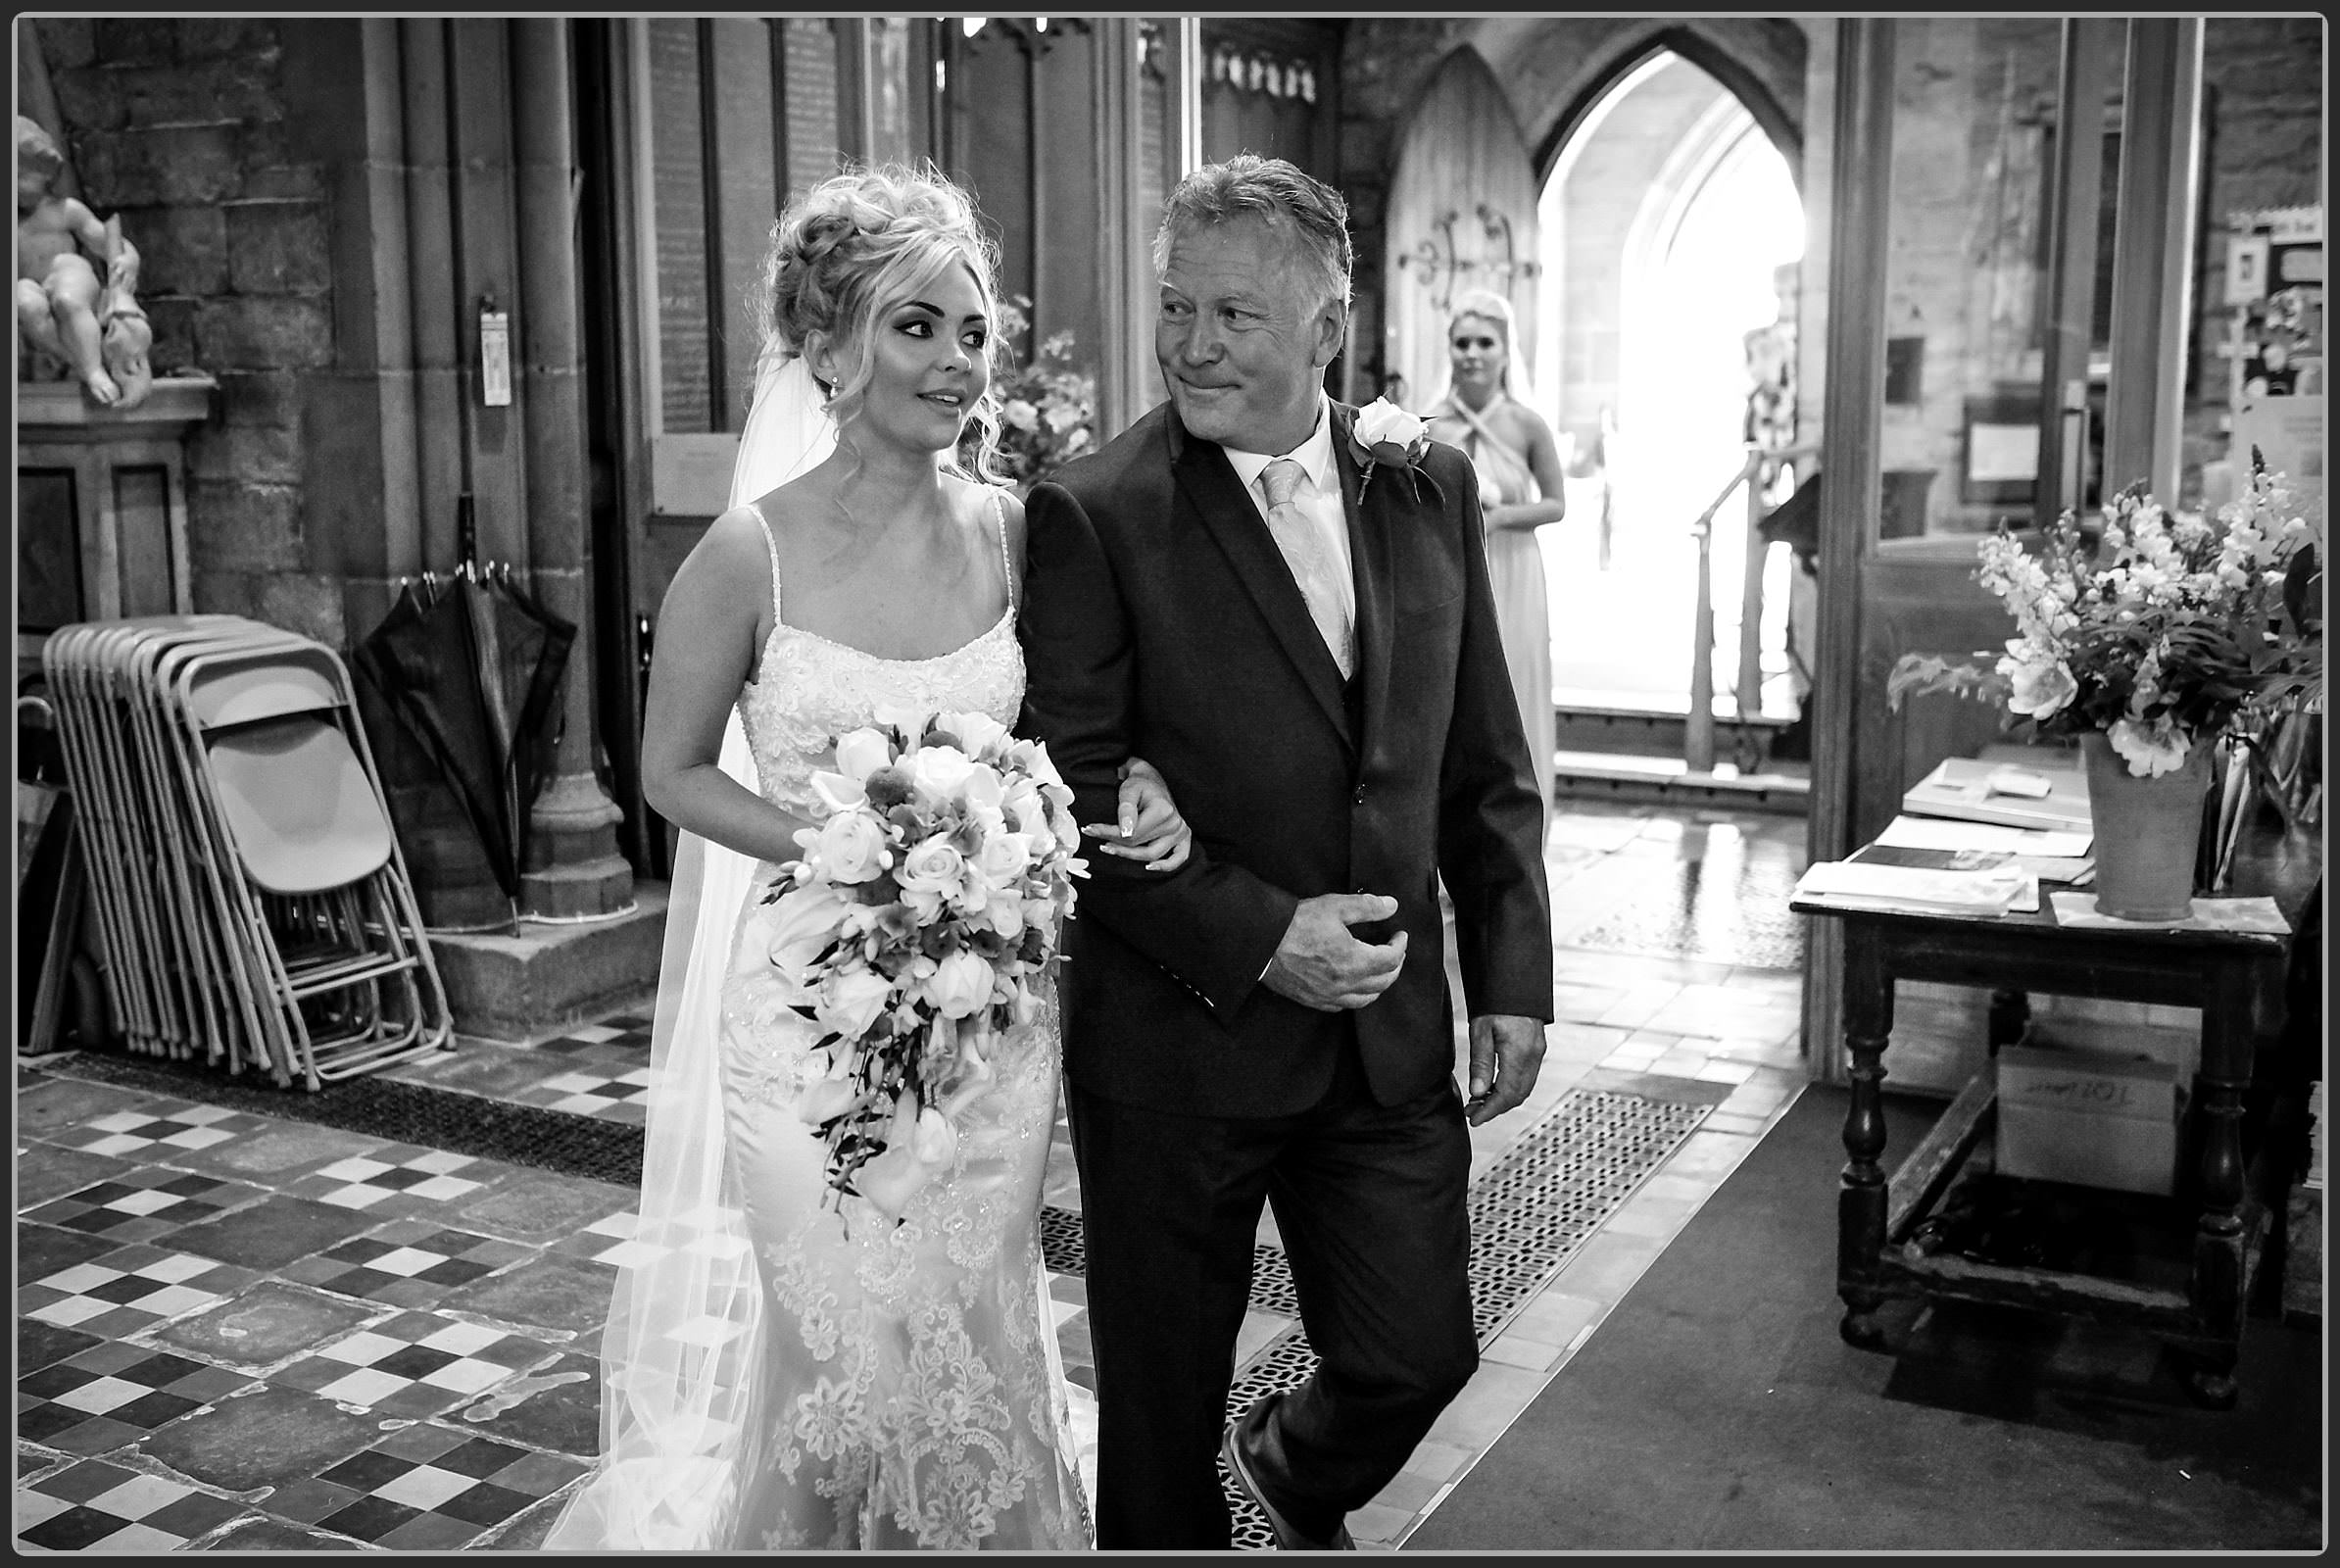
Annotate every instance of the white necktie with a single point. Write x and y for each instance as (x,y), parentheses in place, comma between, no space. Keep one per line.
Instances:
(1305,551)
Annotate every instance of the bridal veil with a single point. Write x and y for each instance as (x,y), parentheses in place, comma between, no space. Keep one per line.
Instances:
(683,1345)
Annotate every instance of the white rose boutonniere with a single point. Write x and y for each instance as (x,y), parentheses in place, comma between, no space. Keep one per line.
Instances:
(1387,436)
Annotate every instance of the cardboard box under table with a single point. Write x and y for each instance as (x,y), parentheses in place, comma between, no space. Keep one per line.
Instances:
(2094,1118)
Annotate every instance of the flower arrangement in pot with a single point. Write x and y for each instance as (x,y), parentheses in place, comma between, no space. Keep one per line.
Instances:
(1047,406)
(2150,640)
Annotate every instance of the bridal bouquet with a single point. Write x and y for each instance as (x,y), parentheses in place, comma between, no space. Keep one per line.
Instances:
(2167,629)
(928,902)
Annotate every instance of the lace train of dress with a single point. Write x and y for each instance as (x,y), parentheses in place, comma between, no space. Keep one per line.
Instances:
(904,1383)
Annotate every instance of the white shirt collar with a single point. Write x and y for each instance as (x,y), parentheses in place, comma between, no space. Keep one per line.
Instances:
(1314,455)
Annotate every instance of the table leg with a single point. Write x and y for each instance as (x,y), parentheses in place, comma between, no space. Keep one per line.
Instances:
(2010,1018)
(2216,1291)
(1861,1197)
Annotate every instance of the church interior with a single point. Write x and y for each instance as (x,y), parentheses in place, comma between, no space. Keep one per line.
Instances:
(1898,1178)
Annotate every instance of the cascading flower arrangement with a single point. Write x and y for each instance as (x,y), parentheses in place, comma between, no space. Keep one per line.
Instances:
(928,903)
(2166,630)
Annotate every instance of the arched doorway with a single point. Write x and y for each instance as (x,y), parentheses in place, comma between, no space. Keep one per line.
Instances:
(1669,227)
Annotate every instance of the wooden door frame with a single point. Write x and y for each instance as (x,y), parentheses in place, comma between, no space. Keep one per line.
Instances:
(1852,420)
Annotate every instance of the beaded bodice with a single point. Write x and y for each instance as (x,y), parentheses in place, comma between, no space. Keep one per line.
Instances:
(808,689)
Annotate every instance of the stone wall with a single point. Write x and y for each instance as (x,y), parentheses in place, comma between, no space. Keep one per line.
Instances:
(180,127)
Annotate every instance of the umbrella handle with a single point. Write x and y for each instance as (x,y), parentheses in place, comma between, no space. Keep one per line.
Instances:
(466,534)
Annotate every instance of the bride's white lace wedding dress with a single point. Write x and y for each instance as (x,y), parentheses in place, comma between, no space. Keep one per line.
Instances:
(899,1387)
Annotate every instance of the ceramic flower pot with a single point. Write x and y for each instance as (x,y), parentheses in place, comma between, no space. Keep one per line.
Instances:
(2147,832)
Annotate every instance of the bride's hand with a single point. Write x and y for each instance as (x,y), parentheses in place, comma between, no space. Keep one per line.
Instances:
(1149,830)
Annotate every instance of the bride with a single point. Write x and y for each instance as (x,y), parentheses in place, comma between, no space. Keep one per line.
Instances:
(778,1373)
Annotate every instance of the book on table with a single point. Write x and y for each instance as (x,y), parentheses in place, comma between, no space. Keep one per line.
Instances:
(1880,884)
(2010,794)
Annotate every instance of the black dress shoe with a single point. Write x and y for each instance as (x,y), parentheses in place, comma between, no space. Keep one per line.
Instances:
(1288,1537)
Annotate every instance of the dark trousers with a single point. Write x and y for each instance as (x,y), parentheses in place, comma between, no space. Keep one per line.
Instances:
(1371,1203)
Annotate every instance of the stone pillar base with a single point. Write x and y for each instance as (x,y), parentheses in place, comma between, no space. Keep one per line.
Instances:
(574,870)
(542,980)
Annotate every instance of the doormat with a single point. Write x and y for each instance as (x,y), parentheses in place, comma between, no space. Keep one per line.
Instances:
(390,1107)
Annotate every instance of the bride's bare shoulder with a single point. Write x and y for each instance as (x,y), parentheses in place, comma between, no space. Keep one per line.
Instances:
(991,508)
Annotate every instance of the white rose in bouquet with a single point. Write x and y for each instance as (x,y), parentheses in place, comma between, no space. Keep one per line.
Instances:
(862,753)
(931,873)
(851,1000)
(962,984)
(938,771)
(850,848)
(1004,857)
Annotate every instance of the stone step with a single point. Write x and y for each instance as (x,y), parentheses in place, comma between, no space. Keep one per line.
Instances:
(1781,787)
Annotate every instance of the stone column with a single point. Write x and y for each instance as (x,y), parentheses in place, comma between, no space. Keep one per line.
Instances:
(573,869)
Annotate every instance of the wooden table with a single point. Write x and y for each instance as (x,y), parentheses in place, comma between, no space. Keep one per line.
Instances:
(2220,972)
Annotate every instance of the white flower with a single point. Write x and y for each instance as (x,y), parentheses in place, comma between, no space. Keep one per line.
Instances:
(825,1098)
(962,984)
(850,1001)
(931,872)
(806,920)
(2148,751)
(862,753)
(838,792)
(937,1141)
(939,771)
(852,846)
(1383,424)
(1063,417)
(911,721)
(1023,415)
(2041,686)
(979,734)
(1005,914)
(1004,857)
(890,1180)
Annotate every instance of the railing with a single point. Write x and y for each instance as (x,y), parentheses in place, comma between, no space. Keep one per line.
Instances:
(1761,467)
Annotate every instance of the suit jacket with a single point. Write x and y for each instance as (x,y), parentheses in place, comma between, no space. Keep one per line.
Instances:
(1160,621)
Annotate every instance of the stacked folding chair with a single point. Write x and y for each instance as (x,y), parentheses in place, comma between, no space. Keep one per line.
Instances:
(253,904)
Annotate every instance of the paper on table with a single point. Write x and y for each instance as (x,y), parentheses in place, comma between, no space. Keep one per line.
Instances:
(1871,886)
(1949,833)
(2078,911)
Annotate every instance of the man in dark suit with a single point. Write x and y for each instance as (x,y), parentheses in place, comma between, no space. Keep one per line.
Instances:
(1302,641)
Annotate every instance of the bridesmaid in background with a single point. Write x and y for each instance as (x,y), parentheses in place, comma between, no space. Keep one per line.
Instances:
(1520,489)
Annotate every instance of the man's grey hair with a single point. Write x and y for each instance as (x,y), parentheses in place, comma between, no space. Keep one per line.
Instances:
(1309,214)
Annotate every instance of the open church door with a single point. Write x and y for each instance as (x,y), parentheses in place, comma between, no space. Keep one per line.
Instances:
(1461,216)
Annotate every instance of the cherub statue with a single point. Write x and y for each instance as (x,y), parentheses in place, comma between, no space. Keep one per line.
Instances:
(92,324)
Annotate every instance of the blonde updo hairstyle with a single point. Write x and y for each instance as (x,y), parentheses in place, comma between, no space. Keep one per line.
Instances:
(857,242)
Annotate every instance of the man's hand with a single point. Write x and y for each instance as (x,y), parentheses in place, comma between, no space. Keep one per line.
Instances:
(1318,964)
(1506,1054)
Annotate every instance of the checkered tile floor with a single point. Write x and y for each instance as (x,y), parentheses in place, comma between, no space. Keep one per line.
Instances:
(425,1488)
(143,1205)
(126,1385)
(132,1290)
(407,1264)
(416,1364)
(96,1507)
(132,1132)
(598,1070)
(425,1175)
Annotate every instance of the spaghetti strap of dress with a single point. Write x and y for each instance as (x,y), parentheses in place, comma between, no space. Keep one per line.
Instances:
(772,547)
(1007,562)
